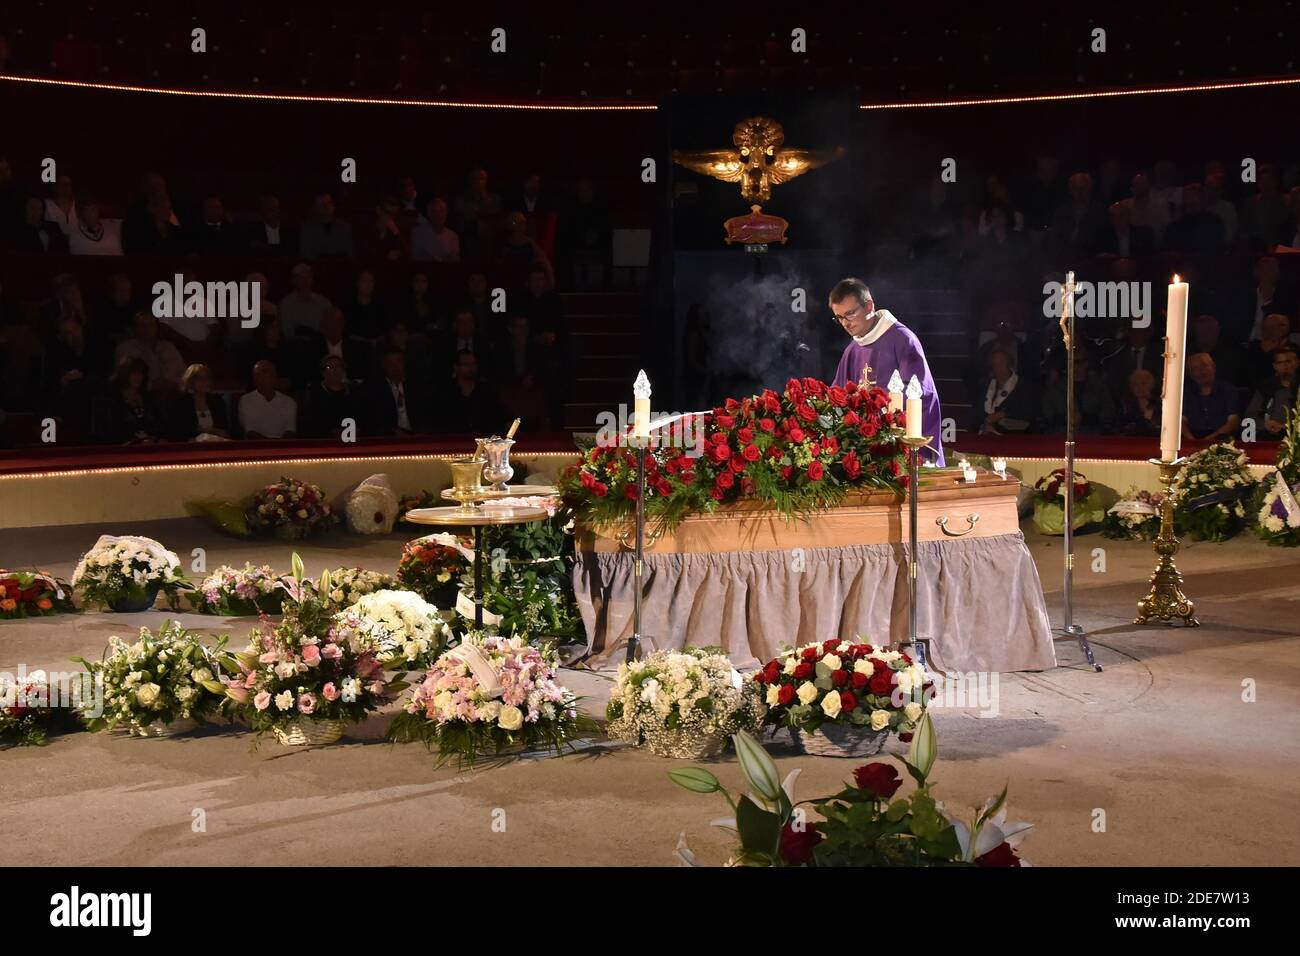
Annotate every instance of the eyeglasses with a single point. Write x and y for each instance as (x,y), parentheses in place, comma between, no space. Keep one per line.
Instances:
(847,316)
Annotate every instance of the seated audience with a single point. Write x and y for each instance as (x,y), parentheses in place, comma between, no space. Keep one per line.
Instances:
(197,411)
(1209,405)
(1124,239)
(61,208)
(1275,397)
(519,249)
(330,401)
(1197,232)
(269,235)
(93,236)
(1139,409)
(302,310)
(324,234)
(266,412)
(200,329)
(1094,410)
(268,344)
(367,316)
(1140,350)
(1206,336)
(115,314)
(130,414)
(520,374)
(393,404)
(382,240)
(1257,358)
(334,340)
(215,234)
(475,210)
(162,359)
(417,307)
(73,378)
(1008,402)
(468,406)
(35,234)
(431,239)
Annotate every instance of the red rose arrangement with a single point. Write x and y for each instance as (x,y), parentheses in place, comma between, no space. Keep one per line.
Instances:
(1048,487)
(799,450)
(846,682)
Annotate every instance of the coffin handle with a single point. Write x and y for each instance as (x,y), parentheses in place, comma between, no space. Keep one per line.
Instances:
(972,519)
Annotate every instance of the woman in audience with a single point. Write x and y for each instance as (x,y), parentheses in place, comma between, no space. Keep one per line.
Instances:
(367,318)
(196,411)
(1139,409)
(131,416)
(329,401)
(418,308)
(1007,405)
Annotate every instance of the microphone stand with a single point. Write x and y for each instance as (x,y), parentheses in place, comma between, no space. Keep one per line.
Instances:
(1069,628)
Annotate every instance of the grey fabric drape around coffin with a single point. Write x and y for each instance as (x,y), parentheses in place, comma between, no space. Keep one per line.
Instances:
(979,601)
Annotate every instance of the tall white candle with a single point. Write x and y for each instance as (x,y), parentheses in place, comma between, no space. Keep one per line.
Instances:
(641,410)
(1171,418)
(914,408)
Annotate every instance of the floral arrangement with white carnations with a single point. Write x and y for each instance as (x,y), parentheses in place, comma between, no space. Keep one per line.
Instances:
(347,586)
(684,703)
(1279,503)
(487,696)
(405,629)
(291,509)
(864,824)
(303,678)
(127,572)
(1210,493)
(238,592)
(1136,516)
(844,684)
(157,681)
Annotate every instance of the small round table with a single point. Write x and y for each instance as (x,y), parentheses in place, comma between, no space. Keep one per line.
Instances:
(458,516)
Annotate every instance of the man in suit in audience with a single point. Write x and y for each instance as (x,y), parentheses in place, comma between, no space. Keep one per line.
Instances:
(269,236)
(334,340)
(392,404)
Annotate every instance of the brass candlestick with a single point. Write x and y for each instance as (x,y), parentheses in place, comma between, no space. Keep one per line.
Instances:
(1166,602)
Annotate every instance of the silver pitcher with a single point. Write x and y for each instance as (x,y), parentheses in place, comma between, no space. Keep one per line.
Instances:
(497,471)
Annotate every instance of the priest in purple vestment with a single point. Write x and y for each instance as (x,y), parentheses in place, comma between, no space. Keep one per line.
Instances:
(883,344)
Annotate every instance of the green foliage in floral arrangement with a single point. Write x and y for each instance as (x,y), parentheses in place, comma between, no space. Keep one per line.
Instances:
(312,665)
(527,577)
(159,679)
(799,450)
(33,594)
(487,697)
(1211,493)
(864,824)
(1276,505)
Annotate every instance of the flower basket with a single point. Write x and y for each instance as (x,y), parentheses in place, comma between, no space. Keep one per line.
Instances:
(309,733)
(839,740)
(135,599)
(687,745)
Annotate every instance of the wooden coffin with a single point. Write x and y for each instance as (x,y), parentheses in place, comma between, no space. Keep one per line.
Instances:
(947,507)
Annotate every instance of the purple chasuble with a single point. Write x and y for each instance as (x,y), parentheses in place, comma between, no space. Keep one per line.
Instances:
(898,348)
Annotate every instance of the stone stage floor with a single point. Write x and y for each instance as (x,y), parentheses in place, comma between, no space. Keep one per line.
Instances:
(1161,743)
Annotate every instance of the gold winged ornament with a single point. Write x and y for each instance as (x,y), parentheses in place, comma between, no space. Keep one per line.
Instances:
(758,161)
